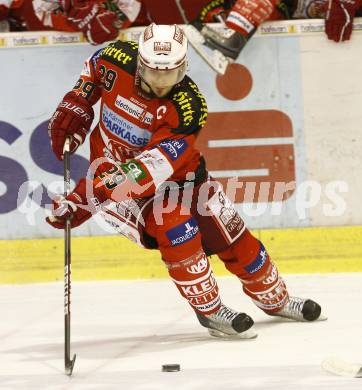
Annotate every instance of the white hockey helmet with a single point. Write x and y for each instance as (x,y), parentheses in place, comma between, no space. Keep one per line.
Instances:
(162,59)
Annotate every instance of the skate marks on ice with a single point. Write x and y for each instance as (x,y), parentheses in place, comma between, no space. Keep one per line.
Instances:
(102,364)
(189,378)
(114,348)
(122,343)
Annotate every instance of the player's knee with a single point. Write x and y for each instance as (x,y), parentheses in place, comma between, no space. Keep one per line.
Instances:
(195,280)
(179,236)
(245,257)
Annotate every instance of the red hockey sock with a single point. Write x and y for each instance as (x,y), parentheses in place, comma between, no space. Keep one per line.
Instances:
(196,282)
(179,241)
(249,261)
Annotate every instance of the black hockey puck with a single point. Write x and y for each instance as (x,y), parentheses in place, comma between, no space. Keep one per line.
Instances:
(170,367)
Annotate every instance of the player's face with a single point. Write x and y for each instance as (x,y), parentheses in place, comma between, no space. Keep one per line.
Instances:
(161,81)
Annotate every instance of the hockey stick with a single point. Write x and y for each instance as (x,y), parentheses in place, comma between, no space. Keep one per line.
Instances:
(68,363)
(340,367)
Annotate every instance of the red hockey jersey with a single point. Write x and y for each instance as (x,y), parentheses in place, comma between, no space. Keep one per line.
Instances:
(153,137)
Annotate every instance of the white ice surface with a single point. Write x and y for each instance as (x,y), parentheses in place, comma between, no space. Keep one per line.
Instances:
(123,331)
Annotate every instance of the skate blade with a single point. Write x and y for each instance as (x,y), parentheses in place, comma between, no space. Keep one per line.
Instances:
(339,367)
(248,334)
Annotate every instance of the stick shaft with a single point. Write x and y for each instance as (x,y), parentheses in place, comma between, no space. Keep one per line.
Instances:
(68,363)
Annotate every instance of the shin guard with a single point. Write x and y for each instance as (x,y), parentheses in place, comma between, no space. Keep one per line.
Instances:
(268,291)
(196,282)
(250,262)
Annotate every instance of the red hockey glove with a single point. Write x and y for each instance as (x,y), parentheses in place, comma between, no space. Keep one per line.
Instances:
(246,15)
(74,206)
(73,117)
(339,19)
(97,24)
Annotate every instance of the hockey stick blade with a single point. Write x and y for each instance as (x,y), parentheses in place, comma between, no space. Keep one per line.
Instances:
(342,368)
(214,58)
(69,365)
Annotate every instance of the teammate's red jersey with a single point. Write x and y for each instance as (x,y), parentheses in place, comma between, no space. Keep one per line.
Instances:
(154,136)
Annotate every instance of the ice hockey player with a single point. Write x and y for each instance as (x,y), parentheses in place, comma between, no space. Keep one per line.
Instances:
(99,20)
(144,161)
(244,17)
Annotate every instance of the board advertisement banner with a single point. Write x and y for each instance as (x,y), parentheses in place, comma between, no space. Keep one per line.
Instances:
(284,121)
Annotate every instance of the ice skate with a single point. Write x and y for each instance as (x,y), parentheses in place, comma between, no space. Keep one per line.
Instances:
(228,323)
(300,309)
(230,45)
